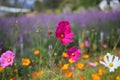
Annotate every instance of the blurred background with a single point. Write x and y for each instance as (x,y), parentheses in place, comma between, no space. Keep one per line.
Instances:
(23,22)
(55,6)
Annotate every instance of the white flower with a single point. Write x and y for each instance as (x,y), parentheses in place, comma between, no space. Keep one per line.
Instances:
(111,61)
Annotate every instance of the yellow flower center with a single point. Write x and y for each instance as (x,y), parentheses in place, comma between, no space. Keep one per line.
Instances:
(111,64)
(9,60)
(62,35)
(73,54)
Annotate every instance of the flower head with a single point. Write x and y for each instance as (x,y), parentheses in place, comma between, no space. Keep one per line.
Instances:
(82,44)
(36,52)
(35,75)
(64,54)
(82,78)
(118,78)
(92,64)
(101,71)
(111,61)
(68,74)
(87,44)
(86,56)
(64,33)
(7,59)
(73,53)
(65,67)
(80,65)
(12,78)
(95,77)
(25,62)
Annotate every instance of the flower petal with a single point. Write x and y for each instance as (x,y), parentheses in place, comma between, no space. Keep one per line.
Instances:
(101,62)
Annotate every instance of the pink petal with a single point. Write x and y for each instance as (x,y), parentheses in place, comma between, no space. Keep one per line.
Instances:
(66,41)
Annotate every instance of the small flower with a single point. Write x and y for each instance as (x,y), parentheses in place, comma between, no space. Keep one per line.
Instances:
(35,75)
(101,71)
(104,46)
(12,78)
(118,78)
(92,64)
(25,62)
(73,53)
(65,67)
(68,74)
(50,32)
(1,69)
(64,54)
(64,33)
(15,70)
(118,53)
(7,59)
(40,73)
(101,58)
(80,65)
(82,78)
(36,52)
(71,61)
(111,61)
(86,56)
(87,44)
(82,44)
(95,77)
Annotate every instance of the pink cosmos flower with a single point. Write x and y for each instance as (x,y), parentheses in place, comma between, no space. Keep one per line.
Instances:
(73,53)
(64,33)
(7,59)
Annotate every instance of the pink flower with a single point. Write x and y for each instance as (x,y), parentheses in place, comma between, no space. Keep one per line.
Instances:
(73,53)
(87,44)
(92,64)
(7,59)
(64,33)
(104,46)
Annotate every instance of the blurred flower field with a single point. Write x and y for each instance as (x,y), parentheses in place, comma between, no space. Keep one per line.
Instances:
(82,46)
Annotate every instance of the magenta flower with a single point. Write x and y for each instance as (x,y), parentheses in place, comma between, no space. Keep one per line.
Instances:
(7,59)
(73,53)
(64,33)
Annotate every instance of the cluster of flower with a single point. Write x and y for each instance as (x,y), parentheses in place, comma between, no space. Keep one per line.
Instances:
(65,35)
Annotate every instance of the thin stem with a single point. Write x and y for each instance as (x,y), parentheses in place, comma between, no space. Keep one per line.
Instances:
(116,44)
(55,46)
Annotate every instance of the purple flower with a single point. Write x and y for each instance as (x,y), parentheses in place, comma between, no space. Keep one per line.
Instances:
(7,59)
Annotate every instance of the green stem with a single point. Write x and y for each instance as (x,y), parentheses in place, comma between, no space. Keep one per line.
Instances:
(116,44)
(55,46)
